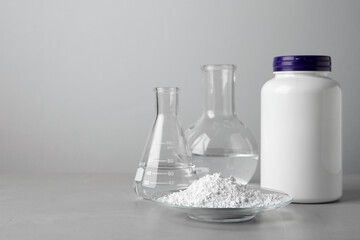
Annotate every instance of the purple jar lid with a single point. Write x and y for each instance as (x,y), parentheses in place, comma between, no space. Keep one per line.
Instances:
(302,63)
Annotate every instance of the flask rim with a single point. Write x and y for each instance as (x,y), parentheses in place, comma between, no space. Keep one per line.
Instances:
(218,67)
(166,89)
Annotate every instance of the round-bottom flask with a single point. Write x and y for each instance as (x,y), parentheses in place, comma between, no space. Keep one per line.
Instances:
(166,161)
(219,141)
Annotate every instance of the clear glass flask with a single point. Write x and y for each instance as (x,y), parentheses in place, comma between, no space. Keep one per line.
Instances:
(219,141)
(166,162)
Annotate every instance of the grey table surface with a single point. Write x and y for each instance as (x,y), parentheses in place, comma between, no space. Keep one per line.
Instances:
(104,206)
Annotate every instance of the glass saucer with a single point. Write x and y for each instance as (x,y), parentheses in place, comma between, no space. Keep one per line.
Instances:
(224,214)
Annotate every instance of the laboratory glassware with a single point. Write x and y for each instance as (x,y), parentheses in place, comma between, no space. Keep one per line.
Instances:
(219,141)
(166,162)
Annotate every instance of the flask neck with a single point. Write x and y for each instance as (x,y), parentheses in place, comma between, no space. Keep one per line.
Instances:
(167,101)
(219,83)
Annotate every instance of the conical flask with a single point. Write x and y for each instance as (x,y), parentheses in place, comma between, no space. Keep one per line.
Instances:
(166,162)
(219,141)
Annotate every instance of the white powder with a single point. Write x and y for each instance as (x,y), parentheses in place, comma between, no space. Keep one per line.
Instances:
(215,191)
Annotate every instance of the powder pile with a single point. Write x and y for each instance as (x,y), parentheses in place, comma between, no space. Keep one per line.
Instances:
(215,191)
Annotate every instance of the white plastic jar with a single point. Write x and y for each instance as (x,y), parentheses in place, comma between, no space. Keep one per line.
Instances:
(301,135)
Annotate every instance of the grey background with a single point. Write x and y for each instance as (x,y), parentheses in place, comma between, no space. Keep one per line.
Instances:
(76,77)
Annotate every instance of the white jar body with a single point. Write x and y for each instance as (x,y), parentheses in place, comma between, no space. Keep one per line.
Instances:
(301,136)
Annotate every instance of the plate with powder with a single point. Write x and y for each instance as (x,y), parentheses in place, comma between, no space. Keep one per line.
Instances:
(214,198)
